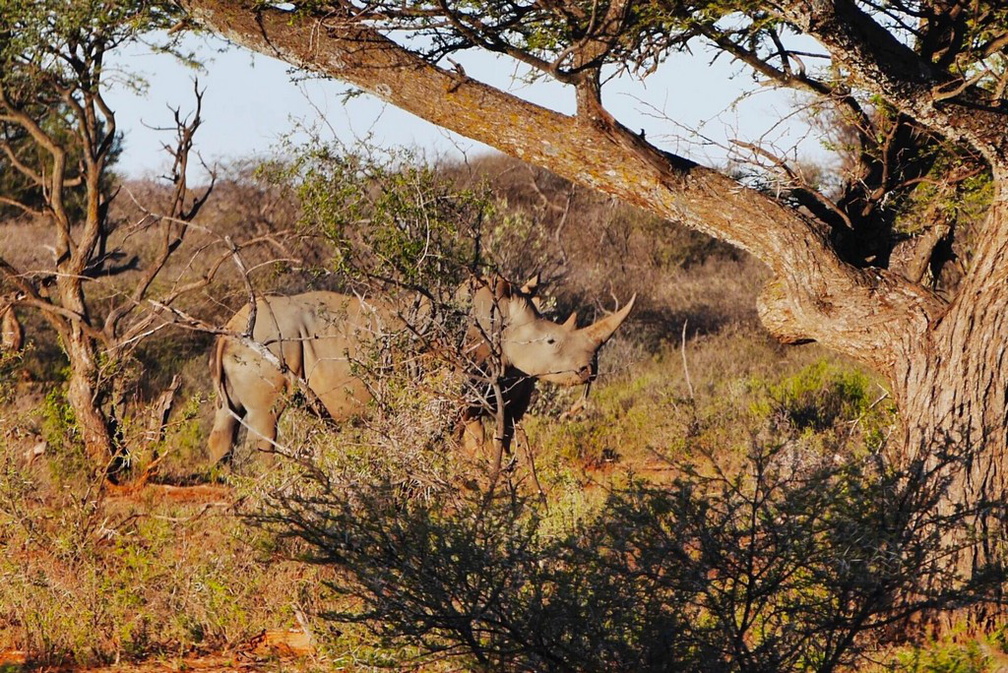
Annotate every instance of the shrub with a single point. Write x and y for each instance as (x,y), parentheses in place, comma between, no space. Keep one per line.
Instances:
(829,404)
(946,658)
(777,565)
(87,578)
(69,463)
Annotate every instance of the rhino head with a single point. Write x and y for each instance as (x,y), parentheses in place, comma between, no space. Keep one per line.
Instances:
(540,348)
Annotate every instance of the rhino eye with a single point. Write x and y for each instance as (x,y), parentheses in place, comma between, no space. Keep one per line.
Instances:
(551,340)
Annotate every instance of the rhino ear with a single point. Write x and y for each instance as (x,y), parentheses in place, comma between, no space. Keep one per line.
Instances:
(502,288)
(603,329)
(571,321)
(531,286)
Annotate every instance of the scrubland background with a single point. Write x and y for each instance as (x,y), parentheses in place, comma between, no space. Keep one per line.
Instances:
(697,415)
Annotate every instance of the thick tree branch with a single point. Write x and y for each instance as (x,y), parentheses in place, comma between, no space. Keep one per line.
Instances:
(24,208)
(55,185)
(14,162)
(884,65)
(853,311)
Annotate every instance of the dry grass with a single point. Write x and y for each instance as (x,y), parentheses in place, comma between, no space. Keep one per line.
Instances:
(92,577)
(89,576)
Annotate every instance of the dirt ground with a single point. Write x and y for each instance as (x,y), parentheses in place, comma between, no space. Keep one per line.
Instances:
(272,649)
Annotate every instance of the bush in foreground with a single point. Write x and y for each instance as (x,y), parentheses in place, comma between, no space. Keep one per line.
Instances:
(794,561)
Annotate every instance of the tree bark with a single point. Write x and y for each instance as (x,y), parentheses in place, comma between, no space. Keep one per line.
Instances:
(82,350)
(83,397)
(951,389)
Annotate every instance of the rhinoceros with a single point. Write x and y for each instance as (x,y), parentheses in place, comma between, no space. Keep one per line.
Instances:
(317,336)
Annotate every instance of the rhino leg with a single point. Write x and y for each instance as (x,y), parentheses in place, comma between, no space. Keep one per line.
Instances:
(262,429)
(476,447)
(473,436)
(222,437)
(261,433)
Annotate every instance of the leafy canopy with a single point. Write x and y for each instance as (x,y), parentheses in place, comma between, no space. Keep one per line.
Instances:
(51,62)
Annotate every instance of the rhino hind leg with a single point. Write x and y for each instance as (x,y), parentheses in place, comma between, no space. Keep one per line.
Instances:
(262,430)
(222,438)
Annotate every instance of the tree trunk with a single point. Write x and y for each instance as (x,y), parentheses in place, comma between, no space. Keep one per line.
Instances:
(951,389)
(84,393)
(84,398)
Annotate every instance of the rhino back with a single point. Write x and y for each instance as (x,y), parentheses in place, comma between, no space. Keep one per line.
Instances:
(335,331)
(316,336)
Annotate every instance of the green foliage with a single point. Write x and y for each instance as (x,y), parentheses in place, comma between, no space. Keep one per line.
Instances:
(818,397)
(958,190)
(947,658)
(58,122)
(34,31)
(9,363)
(649,414)
(518,245)
(631,418)
(829,405)
(957,193)
(50,55)
(185,436)
(388,218)
(60,431)
(642,37)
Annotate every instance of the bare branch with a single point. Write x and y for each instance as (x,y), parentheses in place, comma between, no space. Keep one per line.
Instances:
(176,222)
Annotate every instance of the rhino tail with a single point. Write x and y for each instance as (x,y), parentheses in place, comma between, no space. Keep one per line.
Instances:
(217,372)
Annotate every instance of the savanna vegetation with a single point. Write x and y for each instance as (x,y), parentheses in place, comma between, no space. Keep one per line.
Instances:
(720,502)
(917,90)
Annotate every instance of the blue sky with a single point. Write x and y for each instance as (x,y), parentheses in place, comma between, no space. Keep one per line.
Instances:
(251,102)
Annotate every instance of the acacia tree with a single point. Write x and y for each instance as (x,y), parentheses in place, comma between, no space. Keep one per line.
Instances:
(920,86)
(58,142)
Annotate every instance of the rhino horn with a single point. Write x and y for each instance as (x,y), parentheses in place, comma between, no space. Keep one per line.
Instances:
(571,322)
(601,330)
